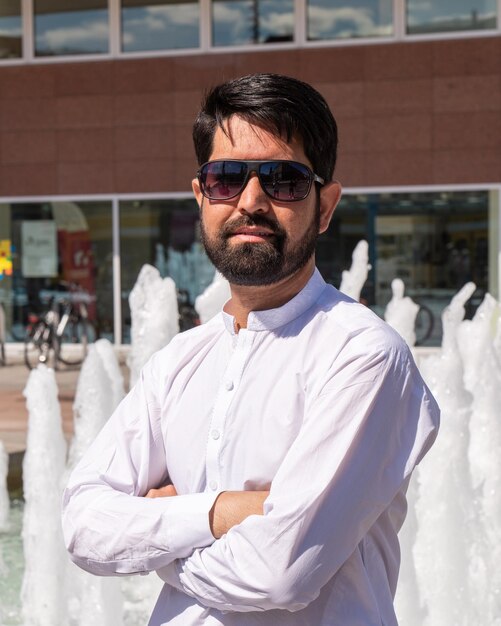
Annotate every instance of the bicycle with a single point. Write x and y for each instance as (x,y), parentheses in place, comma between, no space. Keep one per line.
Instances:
(63,331)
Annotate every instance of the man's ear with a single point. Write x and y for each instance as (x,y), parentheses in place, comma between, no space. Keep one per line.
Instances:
(330,194)
(195,185)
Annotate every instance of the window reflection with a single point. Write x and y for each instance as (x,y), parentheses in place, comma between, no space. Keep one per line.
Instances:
(444,15)
(159,25)
(239,22)
(57,250)
(328,19)
(434,242)
(165,234)
(77,27)
(10,29)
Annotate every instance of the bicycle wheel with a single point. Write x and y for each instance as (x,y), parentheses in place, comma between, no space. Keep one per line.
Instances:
(71,347)
(37,345)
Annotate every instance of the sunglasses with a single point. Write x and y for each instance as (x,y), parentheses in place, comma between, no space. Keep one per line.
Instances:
(284,181)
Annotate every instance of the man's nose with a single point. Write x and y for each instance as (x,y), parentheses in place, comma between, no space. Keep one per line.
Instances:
(253,199)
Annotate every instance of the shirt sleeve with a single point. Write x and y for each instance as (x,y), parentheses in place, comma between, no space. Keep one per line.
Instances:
(361,437)
(109,526)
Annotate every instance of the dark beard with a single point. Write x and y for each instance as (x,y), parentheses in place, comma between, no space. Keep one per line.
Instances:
(264,263)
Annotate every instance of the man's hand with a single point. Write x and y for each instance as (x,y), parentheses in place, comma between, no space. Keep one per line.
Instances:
(164,492)
(232,507)
(229,509)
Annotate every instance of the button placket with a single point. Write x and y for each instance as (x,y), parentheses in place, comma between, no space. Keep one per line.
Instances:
(227,390)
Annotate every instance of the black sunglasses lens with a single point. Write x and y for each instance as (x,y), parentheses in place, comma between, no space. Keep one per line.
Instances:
(285,180)
(222,179)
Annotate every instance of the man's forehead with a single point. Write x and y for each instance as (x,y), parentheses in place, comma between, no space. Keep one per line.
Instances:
(237,133)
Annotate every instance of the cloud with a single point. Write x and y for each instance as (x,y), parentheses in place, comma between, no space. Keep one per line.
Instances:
(344,22)
(69,37)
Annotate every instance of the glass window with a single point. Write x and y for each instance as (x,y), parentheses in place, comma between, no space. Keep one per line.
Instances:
(447,16)
(56,249)
(163,233)
(240,22)
(335,19)
(77,27)
(10,29)
(160,25)
(434,242)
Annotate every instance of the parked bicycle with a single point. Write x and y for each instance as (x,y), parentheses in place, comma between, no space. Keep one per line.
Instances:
(62,333)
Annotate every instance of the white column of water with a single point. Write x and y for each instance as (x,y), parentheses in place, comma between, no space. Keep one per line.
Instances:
(43,587)
(482,376)
(4,494)
(401,314)
(154,315)
(92,599)
(444,510)
(353,279)
(211,301)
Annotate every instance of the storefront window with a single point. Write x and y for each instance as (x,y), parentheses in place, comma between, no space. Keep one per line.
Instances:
(165,234)
(64,28)
(335,19)
(10,29)
(240,22)
(54,251)
(434,242)
(448,16)
(160,25)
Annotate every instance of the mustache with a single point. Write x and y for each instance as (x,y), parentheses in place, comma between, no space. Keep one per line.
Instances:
(252,220)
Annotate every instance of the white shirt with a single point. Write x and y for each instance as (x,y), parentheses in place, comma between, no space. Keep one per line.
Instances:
(319,401)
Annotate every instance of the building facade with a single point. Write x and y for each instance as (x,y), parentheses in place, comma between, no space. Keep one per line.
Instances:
(97,100)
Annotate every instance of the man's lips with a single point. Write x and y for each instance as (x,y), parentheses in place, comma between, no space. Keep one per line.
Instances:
(251,234)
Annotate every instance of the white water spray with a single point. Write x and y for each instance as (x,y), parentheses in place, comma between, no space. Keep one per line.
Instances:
(353,279)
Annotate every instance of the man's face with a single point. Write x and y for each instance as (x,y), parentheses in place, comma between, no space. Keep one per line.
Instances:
(252,239)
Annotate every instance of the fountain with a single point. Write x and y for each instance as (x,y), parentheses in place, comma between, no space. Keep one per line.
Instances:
(450,540)
(353,280)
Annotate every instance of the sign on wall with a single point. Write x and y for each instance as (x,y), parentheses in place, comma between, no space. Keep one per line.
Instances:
(39,248)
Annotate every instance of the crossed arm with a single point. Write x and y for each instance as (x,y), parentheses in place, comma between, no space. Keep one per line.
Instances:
(229,509)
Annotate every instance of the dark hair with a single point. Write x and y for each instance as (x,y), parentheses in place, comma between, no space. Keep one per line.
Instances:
(282,105)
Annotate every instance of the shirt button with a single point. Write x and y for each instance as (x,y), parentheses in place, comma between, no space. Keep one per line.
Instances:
(213,485)
(229,385)
(215,434)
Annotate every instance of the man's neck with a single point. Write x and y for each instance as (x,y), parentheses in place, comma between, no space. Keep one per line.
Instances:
(262,298)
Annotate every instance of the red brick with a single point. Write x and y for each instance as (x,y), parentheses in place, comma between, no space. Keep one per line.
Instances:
(144,142)
(402,60)
(21,81)
(351,133)
(76,79)
(85,178)
(399,95)
(143,109)
(332,65)
(467,56)
(143,75)
(184,174)
(29,147)
(350,169)
(33,179)
(90,144)
(481,129)
(186,107)
(276,61)
(344,99)
(391,167)
(84,111)
(201,72)
(398,133)
(25,114)
(144,175)
(467,166)
(467,93)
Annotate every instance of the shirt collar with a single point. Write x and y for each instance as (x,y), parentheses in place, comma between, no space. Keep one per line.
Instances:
(271,319)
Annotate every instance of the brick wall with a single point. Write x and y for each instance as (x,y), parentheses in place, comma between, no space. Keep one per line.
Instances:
(409,114)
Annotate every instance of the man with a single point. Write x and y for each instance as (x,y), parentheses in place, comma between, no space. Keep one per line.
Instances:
(274,443)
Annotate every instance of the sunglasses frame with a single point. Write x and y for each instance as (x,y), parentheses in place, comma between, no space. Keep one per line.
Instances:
(253,167)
